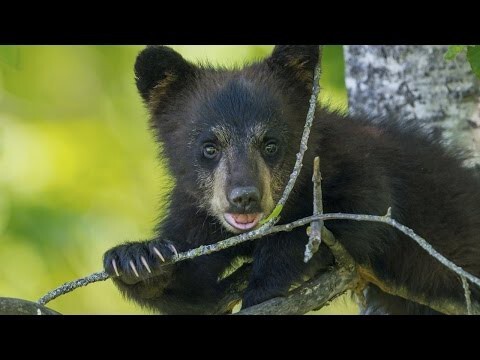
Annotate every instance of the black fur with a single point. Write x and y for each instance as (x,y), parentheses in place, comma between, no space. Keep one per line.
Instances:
(368,165)
(155,64)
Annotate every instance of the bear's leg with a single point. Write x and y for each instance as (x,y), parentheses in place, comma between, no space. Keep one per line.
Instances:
(278,263)
(381,303)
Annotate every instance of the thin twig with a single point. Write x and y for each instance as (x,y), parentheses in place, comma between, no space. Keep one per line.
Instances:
(303,142)
(388,220)
(466,290)
(72,285)
(315,236)
(267,230)
(342,258)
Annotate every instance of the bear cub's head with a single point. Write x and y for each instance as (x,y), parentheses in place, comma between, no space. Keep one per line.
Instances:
(230,135)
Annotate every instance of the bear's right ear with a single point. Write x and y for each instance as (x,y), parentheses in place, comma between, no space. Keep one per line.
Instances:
(158,69)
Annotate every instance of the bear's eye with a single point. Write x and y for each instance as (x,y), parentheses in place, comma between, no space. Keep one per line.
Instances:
(271,148)
(210,151)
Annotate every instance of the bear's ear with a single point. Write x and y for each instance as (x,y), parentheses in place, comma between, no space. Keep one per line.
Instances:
(158,69)
(296,62)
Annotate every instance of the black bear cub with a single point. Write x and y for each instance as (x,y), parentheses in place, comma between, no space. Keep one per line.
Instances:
(230,137)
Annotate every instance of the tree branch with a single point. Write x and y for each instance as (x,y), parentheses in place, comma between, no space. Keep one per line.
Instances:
(311,296)
(317,292)
(468,300)
(12,306)
(315,236)
(72,285)
(341,257)
(350,276)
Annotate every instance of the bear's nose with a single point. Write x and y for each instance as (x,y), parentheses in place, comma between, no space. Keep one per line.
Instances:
(244,198)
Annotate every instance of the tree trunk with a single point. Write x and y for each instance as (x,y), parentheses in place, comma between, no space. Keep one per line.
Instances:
(416,83)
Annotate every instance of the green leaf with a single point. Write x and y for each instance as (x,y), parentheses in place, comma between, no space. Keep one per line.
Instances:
(10,55)
(473,56)
(278,209)
(453,51)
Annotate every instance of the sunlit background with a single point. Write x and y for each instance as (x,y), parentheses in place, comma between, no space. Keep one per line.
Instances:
(78,166)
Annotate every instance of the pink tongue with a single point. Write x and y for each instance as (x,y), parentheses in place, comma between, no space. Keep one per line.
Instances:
(244,218)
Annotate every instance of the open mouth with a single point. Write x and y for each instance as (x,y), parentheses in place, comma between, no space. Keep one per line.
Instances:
(243,221)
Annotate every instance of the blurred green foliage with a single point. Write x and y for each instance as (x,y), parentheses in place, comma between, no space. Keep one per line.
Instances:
(473,55)
(78,167)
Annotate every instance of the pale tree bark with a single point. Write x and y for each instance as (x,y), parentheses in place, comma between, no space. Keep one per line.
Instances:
(416,83)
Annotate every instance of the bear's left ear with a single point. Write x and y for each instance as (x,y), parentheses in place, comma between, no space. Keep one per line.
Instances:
(160,70)
(296,62)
